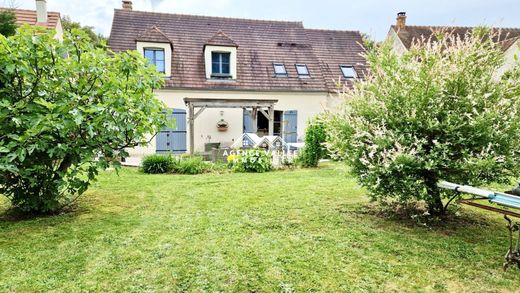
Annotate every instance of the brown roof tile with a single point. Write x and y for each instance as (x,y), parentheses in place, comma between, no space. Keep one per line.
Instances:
(260,44)
(153,34)
(221,39)
(24,16)
(506,44)
(336,48)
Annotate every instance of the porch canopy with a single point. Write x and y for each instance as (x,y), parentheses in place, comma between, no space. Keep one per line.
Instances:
(252,106)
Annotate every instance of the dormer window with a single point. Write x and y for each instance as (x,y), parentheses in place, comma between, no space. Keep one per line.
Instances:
(279,70)
(220,56)
(348,71)
(156,57)
(302,70)
(157,48)
(220,64)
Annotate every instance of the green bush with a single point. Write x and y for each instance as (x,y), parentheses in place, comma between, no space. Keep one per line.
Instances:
(439,111)
(314,149)
(64,114)
(192,165)
(185,164)
(254,160)
(158,164)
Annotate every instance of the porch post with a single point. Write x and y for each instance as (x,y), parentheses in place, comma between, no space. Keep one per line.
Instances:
(192,127)
(254,114)
(270,111)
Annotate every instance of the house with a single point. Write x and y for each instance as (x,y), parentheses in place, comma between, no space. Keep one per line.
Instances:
(40,17)
(402,36)
(229,76)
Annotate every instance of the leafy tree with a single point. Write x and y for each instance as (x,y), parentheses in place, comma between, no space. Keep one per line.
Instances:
(7,23)
(439,111)
(314,149)
(68,109)
(69,25)
(368,42)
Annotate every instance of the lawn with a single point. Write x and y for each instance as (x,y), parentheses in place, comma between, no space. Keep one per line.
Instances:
(302,230)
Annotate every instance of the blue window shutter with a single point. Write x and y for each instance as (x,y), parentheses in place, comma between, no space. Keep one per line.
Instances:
(248,122)
(161,144)
(290,122)
(178,134)
(178,142)
(173,140)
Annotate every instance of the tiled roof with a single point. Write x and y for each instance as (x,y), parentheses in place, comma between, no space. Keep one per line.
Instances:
(410,33)
(336,48)
(153,34)
(506,44)
(260,44)
(221,39)
(24,16)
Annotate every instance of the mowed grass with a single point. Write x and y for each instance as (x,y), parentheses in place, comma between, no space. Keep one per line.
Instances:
(302,230)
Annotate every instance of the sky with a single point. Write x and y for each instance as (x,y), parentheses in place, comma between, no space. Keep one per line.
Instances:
(373,17)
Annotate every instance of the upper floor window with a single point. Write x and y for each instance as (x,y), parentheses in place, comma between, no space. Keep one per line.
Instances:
(279,69)
(156,57)
(302,70)
(348,71)
(220,64)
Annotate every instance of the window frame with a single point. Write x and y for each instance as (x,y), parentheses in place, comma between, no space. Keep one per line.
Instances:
(285,74)
(154,59)
(308,74)
(220,63)
(342,66)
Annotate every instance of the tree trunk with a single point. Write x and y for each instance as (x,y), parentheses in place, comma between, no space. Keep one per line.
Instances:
(435,206)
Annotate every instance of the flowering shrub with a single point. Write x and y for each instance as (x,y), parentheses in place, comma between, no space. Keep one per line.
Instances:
(439,111)
(231,158)
(255,160)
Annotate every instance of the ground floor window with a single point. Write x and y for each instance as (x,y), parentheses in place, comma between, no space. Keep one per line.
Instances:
(285,124)
(263,124)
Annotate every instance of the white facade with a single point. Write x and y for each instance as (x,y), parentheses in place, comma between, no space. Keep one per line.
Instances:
(397,45)
(307,105)
(511,55)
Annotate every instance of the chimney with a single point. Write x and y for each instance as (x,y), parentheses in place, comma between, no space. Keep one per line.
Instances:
(127,5)
(401,20)
(41,11)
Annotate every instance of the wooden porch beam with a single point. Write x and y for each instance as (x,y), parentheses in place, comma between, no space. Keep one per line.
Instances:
(254,115)
(191,119)
(271,120)
(199,112)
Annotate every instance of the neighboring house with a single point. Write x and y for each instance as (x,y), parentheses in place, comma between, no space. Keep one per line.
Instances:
(40,17)
(403,36)
(228,76)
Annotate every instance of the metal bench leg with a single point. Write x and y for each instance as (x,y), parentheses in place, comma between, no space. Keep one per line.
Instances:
(516,253)
(513,253)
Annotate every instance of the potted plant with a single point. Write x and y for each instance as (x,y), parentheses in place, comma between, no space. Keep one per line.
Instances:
(222,125)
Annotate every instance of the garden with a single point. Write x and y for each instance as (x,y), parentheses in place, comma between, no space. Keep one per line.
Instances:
(371,217)
(299,230)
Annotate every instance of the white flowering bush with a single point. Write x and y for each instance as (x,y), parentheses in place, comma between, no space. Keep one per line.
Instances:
(439,111)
